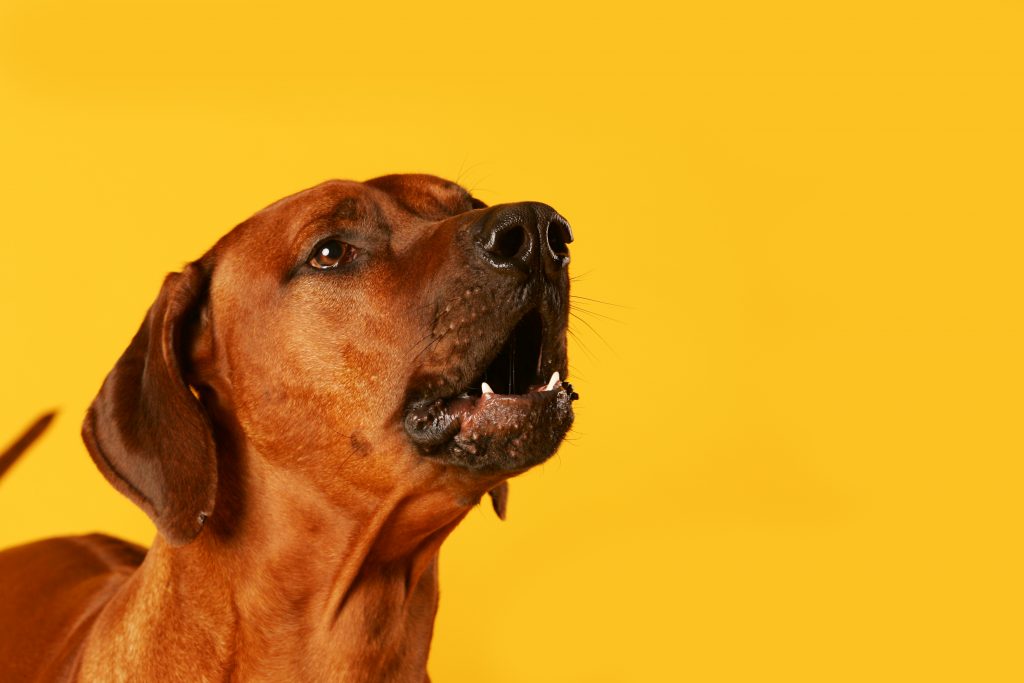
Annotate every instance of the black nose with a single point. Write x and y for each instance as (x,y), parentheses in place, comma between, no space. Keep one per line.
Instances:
(529,237)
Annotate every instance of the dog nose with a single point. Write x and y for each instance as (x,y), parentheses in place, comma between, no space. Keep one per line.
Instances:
(528,236)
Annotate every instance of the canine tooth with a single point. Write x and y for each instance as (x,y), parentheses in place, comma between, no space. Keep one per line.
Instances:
(552,382)
(485,388)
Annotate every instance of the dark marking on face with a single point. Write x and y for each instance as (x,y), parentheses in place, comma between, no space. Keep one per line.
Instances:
(380,221)
(360,445)
(346,210)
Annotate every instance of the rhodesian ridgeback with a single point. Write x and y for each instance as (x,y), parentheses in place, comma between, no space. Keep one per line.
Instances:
(306,413)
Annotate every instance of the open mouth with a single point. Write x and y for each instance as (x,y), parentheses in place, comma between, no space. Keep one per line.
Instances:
(508,417)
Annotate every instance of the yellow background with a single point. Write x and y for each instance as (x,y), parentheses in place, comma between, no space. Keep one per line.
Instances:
(798,453)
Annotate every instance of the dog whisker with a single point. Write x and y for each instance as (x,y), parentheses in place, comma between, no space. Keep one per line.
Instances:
(598,301)
(579,308)
(579,341)
(599,335)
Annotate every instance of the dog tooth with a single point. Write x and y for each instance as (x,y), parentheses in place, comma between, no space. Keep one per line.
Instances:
(552,382)
(485,388)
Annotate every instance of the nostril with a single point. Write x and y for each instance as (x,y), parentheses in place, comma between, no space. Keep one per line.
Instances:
(559,238)
(508,241)
(528,237)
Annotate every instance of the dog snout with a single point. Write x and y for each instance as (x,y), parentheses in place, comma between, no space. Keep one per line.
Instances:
(528,238)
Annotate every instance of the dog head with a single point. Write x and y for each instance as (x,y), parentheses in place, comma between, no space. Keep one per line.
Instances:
(395,333)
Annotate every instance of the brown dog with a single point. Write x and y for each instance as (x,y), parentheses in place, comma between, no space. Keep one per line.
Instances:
(306,413)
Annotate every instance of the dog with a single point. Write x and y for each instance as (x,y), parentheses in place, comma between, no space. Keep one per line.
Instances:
(306,412)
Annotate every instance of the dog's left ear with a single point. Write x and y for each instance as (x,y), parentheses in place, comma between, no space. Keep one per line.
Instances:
(499,499)
(146,431)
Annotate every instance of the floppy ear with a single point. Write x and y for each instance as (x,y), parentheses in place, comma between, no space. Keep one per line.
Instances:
(499,499)
(146,431)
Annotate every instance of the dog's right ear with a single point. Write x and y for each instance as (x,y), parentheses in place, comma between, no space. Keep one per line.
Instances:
(146,431)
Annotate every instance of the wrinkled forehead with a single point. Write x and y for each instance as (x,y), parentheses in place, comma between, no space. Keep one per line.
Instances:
(425,196)
(392,210)
(402,199)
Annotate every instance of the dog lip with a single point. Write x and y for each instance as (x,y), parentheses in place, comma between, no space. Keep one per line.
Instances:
(434,422)
(494,432)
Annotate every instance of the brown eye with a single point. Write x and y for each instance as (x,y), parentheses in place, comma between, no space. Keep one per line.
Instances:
(331,254)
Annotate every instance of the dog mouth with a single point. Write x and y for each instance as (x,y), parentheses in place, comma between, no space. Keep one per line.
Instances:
(508,417)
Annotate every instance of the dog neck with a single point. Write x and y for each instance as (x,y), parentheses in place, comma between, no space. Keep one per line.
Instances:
(285,585)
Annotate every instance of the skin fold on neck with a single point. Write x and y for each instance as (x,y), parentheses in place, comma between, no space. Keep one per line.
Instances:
(307,589)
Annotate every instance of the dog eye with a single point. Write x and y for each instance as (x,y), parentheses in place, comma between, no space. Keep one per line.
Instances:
(331,254)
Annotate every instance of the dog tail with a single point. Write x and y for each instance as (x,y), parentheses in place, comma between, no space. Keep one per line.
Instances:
(14,451)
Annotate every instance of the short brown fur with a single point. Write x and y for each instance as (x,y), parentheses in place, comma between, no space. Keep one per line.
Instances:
(256,418)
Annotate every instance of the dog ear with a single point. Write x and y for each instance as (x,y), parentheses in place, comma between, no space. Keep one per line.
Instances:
(499,499)
(146,431)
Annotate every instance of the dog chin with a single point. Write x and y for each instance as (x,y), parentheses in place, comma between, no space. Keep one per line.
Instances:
(494,432)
